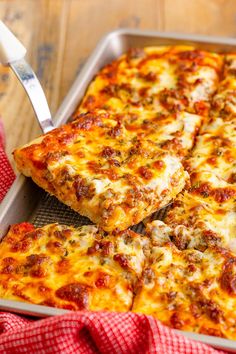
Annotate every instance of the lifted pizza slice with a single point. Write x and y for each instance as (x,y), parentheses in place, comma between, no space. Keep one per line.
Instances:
(71,268)
(103,170)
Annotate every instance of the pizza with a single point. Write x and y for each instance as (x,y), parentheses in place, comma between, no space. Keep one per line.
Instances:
(215,150)
(120,159)
(224,101)
(188,289)
(87,269)
(105,170)
(189,283)
(204,215)
(161,79)
(157,124)
(71,268)
(174,132)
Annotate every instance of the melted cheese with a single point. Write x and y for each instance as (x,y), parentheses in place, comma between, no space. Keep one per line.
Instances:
(160,79)
(71,268)
(118,164)
(105,169)
(224,102)
(215,150)
(190,290)
(207,213)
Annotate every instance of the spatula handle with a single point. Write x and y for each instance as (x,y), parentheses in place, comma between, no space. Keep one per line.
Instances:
(12,53)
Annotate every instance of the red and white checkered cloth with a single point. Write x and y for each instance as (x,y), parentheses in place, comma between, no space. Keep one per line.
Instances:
(6,173)
(94,332)
(88,332)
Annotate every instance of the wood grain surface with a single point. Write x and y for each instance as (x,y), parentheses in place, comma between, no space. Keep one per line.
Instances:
(60,34)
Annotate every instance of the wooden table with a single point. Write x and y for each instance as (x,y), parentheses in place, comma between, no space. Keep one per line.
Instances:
(60,34)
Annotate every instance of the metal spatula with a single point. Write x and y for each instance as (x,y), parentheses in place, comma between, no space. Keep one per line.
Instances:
(12,53)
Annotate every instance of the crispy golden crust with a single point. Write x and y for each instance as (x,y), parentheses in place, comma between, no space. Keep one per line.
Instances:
(103,170)
(70,268)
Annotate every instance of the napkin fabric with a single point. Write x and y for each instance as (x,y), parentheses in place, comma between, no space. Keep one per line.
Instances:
(94,332)
(7,175)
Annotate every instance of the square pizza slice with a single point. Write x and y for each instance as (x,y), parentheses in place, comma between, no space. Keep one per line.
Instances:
(102,170)
(205,215)
(190,290)
(161,79)
(71,268)
(224,101)
(215,150)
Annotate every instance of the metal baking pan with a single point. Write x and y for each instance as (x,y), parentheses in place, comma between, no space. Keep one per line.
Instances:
(27,202)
